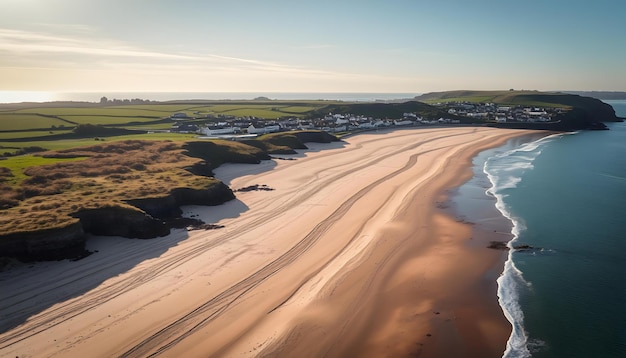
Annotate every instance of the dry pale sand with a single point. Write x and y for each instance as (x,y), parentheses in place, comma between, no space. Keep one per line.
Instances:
(348,256)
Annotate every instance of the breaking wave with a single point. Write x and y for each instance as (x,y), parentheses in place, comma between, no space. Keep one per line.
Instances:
(505,172)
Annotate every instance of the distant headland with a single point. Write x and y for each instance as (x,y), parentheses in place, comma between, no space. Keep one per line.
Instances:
(528,109)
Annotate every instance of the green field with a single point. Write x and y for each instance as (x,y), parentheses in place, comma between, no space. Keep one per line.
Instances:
(127,111)
(520,98)
(19,163)
(34,116)
(471,99)
(267,111)
(106,120)
(72,143)
(29,134)
(27,125)
(26,121)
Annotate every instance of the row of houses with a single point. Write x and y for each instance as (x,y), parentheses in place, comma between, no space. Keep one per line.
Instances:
(501,114)
(331,123)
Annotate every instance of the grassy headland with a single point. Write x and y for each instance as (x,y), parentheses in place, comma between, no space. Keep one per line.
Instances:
(578,112)
(53,190)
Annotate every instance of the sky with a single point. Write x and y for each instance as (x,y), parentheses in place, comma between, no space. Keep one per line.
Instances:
(311,46)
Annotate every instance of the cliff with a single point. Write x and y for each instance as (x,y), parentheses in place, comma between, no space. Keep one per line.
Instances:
(121,221)
(168,207)
(47,244)
(132,189)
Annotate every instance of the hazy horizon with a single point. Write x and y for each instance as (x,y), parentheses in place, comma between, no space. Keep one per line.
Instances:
(12,97)
(401,46)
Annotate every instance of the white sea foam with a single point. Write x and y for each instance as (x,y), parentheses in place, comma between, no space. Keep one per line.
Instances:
(505,171)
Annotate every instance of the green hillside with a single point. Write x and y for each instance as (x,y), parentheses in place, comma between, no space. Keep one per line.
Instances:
(384,110)
(582,112)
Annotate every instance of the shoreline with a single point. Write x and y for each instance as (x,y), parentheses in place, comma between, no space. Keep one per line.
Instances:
(471,204)
(370,275)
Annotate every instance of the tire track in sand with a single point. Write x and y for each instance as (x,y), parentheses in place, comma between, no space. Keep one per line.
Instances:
(202,315)
(74,308)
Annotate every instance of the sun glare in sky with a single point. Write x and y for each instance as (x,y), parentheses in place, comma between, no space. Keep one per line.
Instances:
(26,96)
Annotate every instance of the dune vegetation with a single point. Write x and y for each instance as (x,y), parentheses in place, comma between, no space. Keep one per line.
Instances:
(44,190)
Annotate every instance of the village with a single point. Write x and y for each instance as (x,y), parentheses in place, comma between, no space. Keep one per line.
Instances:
(491,112)
(223,125)
(460,112)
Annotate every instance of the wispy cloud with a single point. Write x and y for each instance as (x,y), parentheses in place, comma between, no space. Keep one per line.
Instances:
(25,42)
(87,58)
(36,45)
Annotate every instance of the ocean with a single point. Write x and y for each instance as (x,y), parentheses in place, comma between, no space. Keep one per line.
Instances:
(34,96)
(565,197)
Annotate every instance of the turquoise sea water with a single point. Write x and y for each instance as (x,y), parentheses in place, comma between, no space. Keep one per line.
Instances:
(565,196)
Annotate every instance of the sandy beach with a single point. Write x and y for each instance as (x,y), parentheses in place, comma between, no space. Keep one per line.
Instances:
(351,254)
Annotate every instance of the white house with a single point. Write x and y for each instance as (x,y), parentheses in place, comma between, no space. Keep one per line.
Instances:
(341,121)
(366,125)
(402,123)
(262,130)
(216,130)
(305,125)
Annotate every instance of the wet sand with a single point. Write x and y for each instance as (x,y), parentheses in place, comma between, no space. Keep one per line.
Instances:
(350,255)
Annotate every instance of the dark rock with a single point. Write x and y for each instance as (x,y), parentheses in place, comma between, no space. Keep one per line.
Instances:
(165,207)
(523,248)
(498,245)
(216,195)
(150,218)
(281,158)
(205,227)
(255,187)
(502,245)
(168,207)
(47,244)
(121,221)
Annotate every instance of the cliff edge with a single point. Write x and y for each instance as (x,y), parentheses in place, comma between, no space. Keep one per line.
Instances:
(132,189)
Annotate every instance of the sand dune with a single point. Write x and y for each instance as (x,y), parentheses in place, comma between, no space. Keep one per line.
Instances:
(347,256)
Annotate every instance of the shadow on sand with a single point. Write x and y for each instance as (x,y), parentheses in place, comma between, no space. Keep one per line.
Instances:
(31,288)
(28,289)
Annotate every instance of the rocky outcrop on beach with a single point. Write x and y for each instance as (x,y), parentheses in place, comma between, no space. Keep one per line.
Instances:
(502,245)
(42,245)
(255,187)
(121,221)
(168,207)
(145,219)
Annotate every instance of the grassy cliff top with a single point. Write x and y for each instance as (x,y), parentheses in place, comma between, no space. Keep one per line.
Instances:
(383,110)
(521,98)
(43,190)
